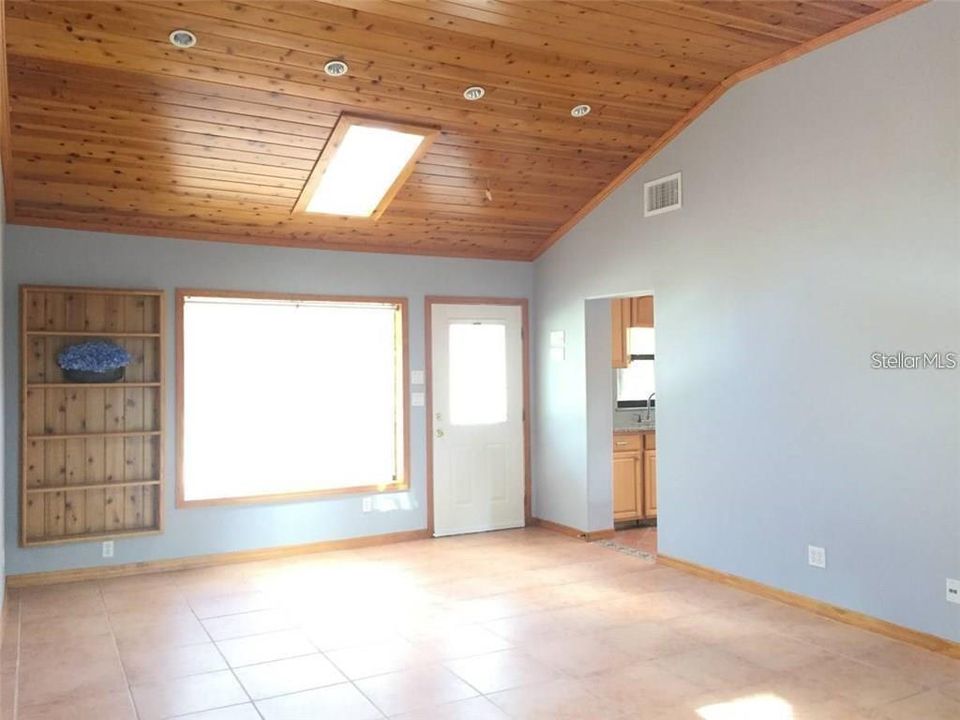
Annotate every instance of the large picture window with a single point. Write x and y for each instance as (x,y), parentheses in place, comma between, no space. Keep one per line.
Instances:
(289,397)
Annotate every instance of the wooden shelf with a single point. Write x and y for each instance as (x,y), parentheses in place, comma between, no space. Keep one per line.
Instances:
(97,486)
(54,386)
(97,535)
(99,444)
(85,436)
(90,333)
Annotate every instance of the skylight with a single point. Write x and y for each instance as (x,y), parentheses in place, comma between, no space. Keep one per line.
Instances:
(363,165)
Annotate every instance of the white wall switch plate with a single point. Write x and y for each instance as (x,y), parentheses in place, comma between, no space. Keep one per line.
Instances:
(953,591)
(368,504)
(108,548)
(816,556)
(416,377)
(418,399)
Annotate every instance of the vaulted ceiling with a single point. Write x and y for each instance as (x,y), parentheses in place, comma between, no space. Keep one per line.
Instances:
(112,128)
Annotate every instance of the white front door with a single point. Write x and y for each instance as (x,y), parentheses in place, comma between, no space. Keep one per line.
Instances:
(477,386)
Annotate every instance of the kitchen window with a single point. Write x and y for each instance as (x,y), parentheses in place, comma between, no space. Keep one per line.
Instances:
(289,397)
(635,383)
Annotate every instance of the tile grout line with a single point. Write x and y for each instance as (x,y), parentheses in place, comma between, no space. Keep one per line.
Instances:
(116,649)
(439,663)
(226,662)
(203,672)
(352,683)
(317,651)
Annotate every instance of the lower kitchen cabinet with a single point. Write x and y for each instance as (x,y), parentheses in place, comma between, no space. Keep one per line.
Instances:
(626,473)
(650,483)
(634,476)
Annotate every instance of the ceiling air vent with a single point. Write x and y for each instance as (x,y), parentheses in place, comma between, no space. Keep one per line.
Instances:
(662,195)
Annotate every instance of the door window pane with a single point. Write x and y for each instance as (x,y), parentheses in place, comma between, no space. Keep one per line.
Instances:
(477,356)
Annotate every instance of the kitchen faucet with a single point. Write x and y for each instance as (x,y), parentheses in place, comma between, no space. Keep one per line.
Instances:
(650,404)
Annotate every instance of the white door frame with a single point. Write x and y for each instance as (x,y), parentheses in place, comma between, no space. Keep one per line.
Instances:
(523,304)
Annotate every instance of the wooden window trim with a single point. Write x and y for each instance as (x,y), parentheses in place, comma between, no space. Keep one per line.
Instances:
(403,359)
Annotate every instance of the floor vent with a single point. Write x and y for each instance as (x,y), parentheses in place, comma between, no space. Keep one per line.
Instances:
(662,195)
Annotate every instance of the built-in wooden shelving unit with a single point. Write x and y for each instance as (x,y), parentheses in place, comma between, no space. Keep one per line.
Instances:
(92,453)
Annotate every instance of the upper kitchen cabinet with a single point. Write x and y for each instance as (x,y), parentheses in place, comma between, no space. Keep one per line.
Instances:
(626,313)
(620,319)
(641,311)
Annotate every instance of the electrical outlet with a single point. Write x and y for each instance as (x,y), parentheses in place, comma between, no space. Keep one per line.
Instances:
(953,591)
(816,556)
(368,504)
(108,548)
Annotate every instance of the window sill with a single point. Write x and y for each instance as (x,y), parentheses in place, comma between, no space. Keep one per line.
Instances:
(280,498)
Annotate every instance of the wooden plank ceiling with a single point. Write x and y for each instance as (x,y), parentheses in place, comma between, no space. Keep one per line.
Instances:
(112,128)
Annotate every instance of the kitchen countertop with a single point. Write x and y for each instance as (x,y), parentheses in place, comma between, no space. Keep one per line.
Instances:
(635,429)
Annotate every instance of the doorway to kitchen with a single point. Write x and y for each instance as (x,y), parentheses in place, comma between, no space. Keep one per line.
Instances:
(634,463)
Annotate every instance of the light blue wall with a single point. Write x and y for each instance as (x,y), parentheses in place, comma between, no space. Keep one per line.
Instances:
(600,398)
(47,256)
(820,224)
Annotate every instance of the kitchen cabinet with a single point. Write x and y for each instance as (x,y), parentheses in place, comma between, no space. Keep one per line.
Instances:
(641,311)
(626,313)
(620,321)
(634,476)
(626,472)
(650,483)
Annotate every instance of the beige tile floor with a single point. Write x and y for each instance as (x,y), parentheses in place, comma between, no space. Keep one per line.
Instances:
(521,624)
(642,538)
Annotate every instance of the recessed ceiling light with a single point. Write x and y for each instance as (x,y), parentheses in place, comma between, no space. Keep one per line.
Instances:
(362,166)
(336,68)
(579,111)
(474,92)
(183,39)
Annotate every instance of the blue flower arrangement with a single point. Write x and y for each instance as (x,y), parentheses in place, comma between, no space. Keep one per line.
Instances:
(94,360)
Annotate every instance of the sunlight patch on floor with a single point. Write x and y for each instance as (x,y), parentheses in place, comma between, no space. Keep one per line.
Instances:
(754,707)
